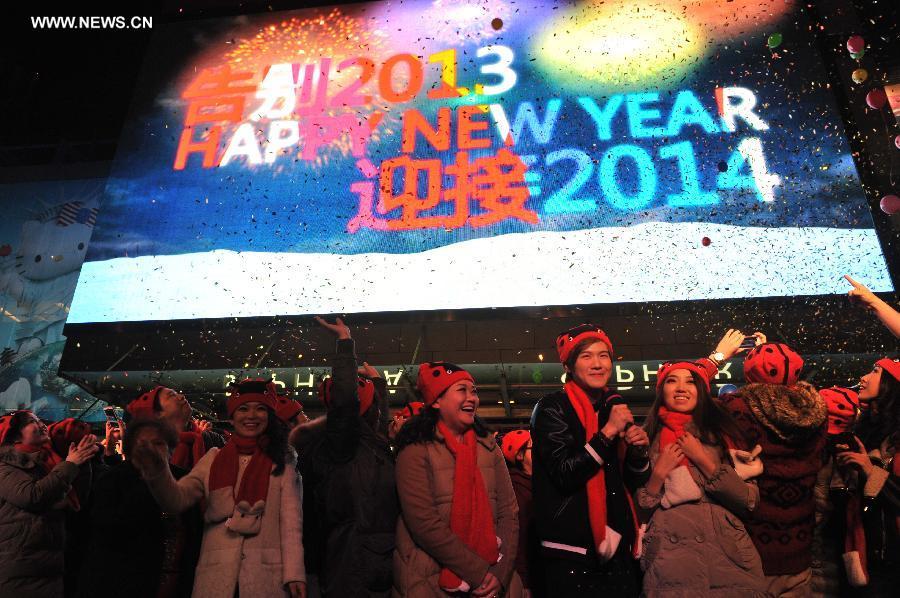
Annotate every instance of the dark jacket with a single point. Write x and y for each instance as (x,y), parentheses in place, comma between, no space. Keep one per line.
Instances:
(562,468)
(32,524)
(129,538)
(354,496)
(788,422)
(528,554)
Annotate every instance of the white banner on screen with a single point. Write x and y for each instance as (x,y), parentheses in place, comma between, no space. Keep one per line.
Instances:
(647,262)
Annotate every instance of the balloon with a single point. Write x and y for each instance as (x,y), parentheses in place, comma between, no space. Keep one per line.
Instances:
(876,98)
(497,24)
(859,75)
(856,44)
(858,55)
(774,40)
(727,389)
(706,241)
(5,250)
(890,204)
(897,141)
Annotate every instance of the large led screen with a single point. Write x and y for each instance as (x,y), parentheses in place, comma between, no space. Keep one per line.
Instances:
(439,154)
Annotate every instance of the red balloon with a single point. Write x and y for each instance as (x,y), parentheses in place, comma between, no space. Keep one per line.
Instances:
(5,250)
(706,241)
(876,98)
(856,44)
(890,204)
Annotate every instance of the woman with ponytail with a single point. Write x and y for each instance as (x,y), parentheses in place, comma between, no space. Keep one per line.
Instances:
(695,544)
(252,538)
(35,492)
(458,530)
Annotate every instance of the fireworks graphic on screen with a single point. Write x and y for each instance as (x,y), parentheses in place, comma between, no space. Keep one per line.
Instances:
(307,41)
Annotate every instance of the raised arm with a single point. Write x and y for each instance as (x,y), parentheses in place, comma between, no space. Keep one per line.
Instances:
(861,295)
(171,495)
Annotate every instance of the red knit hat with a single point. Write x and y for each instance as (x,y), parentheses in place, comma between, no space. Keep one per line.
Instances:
(773,363)
(891,366)
(286,408)
(260,390)
(842,404)
(412,408)
(566,341)
(513,443)
(704,368)
(143,406)
(6,422)
(65,432)
(365,390)
(437,376)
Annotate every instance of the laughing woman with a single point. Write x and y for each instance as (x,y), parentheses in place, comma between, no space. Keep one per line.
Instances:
(458,531)
(252,539)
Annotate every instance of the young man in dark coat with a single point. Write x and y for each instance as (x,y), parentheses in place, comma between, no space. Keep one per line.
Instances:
(588,459)
(348,466)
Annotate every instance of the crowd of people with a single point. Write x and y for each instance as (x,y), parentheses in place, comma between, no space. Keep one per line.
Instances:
(777,489)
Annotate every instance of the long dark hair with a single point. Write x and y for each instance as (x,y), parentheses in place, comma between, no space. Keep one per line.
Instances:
(420,428)
(713,423)
(873,428)
(277,447)
(17,421)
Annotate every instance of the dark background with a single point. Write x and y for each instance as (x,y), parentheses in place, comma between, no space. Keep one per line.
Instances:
(65,95)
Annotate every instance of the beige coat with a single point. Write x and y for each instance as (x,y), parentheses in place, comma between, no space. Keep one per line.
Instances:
(259,565)
(425,543)
(700,547)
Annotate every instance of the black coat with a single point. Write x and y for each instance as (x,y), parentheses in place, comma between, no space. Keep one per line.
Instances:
(562,467)
(349,471)
(128,539)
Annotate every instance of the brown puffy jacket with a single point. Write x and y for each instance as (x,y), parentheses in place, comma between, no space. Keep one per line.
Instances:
(425,543)
(32,524)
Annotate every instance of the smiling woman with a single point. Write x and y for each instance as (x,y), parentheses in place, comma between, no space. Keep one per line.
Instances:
(459,509)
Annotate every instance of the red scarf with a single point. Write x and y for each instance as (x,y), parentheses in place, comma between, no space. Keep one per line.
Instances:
(190,449)
(596,486)
(471,518)
(255,481)
(48,460)
(673,423)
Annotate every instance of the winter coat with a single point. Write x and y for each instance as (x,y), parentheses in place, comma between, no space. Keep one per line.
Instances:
(528,555)
(32,524)
(259,565)
(349,471)
(562,467)
(788,422)
(130,535)
(425,543)
(701,547)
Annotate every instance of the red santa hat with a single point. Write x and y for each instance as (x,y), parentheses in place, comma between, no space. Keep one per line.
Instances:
(287,408)
(65,432)
(513,442)
(568,340)
(891,366)
(412,408)
(435,377)
(773,363)
(144,405)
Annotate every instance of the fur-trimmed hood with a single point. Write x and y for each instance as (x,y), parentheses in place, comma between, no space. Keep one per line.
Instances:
(791,413)
(19,459)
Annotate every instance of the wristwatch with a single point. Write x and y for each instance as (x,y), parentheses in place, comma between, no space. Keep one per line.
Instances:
(717,357)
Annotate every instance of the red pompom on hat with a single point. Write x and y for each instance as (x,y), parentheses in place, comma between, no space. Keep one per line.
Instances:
(842,406)
(566,341)
(259,390)
(143,405)
(287,408)
(437,376)
(365,390)
(513,442)
(891,366)
(704,368)
(65,432)
(412,408)
(773,363)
